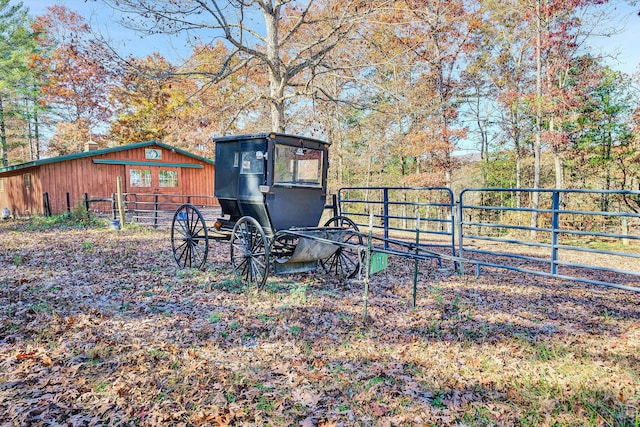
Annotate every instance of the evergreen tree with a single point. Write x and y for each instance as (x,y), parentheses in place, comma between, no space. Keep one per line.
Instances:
(16,46)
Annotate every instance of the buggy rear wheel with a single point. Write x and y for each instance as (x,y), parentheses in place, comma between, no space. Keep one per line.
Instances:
(189,237)
(345,262)
(250,252)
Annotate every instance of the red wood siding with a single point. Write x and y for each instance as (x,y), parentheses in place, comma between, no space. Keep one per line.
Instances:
(19,199)
(83,175)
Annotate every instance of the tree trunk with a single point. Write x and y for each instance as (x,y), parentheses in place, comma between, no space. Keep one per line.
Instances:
(557,160)
(607,171)
(537,143)
(559,170)
(277,79)
(518,172)
(3,136)
(36,128)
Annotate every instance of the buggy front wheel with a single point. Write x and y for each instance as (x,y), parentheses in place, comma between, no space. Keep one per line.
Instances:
(189,237)
(250,252)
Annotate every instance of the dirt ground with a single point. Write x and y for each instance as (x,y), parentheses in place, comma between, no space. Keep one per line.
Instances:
(100,327)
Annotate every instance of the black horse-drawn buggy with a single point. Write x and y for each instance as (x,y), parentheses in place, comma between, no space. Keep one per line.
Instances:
(272,189)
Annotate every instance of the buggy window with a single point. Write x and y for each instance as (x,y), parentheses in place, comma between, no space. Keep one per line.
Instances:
(252,162)
(297,165)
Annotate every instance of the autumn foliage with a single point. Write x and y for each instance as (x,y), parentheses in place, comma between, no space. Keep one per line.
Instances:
(400,88)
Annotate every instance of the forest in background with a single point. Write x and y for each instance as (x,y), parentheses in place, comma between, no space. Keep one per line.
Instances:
(400,88)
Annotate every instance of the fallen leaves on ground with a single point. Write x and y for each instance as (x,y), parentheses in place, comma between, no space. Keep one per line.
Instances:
(100,327)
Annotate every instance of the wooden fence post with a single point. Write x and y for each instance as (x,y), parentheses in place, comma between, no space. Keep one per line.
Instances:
(625,230)
(46,205)
(120,201)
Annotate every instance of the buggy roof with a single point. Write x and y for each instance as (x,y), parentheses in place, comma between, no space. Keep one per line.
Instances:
(271,135)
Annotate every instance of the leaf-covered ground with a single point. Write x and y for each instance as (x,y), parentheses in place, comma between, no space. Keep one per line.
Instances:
(99,327)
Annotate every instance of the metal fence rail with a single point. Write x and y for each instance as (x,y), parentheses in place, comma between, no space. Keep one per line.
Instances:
(402,213)
(98,206)
(145,209)
(485,227)
(493,230)
(158,209)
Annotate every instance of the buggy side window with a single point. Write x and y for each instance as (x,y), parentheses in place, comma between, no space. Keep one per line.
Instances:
(297,165)
(252,162)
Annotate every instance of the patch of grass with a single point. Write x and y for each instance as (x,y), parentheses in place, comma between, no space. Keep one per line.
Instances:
(375,381)
(214,317)
(157,353)
(261,386)
(602,409)
(101,386)
(266,318)
(432,330)
(87,246)
(546,352)
(266,404)
(298,294)
(616,246)
(187,273)
(42,307)
(12,327)
(226,284)
(478,416)
(234,326)
(277,285)
(437,400)
(345,317)
(78,217)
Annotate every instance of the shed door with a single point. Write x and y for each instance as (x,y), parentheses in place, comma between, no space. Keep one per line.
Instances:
(150,187)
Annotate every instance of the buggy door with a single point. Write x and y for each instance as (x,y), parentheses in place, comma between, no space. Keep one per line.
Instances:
(297,194)
(252,169)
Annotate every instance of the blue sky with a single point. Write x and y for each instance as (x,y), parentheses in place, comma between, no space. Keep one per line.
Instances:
(104,20)
(624,46)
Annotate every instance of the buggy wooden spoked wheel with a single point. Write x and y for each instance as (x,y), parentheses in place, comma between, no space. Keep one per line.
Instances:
(345,262)
(189,237)
(250,252)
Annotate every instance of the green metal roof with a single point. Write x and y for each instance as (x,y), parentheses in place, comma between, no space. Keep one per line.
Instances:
(92,153)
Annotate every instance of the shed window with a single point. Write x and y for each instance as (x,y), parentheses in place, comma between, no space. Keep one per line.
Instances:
(27,180)
(168,178)
(1,185)
(140,178)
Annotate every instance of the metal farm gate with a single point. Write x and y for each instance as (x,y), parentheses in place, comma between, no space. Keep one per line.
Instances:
(424,215)
(495,229)
(498,228)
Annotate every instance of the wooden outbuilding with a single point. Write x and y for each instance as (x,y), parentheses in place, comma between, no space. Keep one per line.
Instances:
(45,186)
